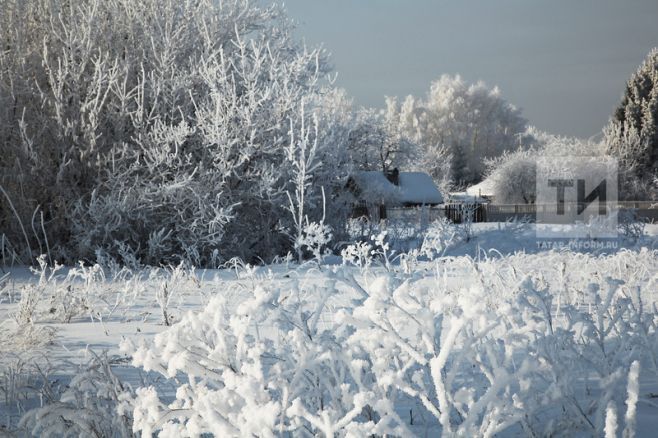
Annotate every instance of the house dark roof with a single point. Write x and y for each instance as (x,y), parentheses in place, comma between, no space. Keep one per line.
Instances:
(415,188)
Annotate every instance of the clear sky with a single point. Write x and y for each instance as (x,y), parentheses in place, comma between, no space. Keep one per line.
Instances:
(564,62)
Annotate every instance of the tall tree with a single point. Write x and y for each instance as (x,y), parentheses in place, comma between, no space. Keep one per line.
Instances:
(471,122)
(632,133)
(378,140)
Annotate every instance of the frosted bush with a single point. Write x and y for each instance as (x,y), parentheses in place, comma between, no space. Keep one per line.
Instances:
(434,341)
(315,237)
(24,377)
(531,344)
(359,254)
(241,379)
(27,306)
(60,297)
(524,344)
(67,303)
(363,254)
(440,236)
(480,366)
(19,338)
(33,293)
(96,403)
(382,248)
(169,286)
(159,133)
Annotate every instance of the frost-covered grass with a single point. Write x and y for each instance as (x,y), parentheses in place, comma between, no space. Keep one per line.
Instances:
(539,344)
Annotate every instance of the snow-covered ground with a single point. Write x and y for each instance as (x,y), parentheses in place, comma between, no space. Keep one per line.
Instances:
(494,335)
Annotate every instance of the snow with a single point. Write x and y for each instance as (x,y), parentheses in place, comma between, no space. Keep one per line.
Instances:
(465,198)
(374,187)
(466,332)
(484,188)
(418,188)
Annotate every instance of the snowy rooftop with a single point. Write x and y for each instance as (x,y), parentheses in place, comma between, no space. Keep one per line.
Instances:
(415,188)
(485,188)
(463,197)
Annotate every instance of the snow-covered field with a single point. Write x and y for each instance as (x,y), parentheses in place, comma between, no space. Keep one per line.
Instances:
(496,335)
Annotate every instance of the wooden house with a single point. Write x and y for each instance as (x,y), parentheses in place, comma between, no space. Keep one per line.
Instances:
(374,192)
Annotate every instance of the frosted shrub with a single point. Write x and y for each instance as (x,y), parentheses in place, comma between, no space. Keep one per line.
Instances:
(66,303)
(174,278)
(525,344)
(480,366)
(440,236)
(363,254)
(24,377)
(27,306)
(382,249)
(32,294)
(315,237)
(17,338)
(601,339)
(434,340)
(60,297)
(77,293)
(96,403)
(241,379)
(358,254)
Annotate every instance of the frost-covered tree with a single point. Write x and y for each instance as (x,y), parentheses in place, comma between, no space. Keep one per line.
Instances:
(397,147)
(632,133)
(437,160)
(513,175)
(365,139)
(154,128)
(463,124)
(377,140)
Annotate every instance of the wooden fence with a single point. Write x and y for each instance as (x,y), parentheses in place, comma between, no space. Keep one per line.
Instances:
(421,217)
(459,213)
(647,210)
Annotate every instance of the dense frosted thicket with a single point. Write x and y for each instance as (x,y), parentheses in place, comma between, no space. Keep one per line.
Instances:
(525,346)
(156,130)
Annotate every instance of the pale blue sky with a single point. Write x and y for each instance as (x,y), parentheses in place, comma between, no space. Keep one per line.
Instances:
(564,62)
